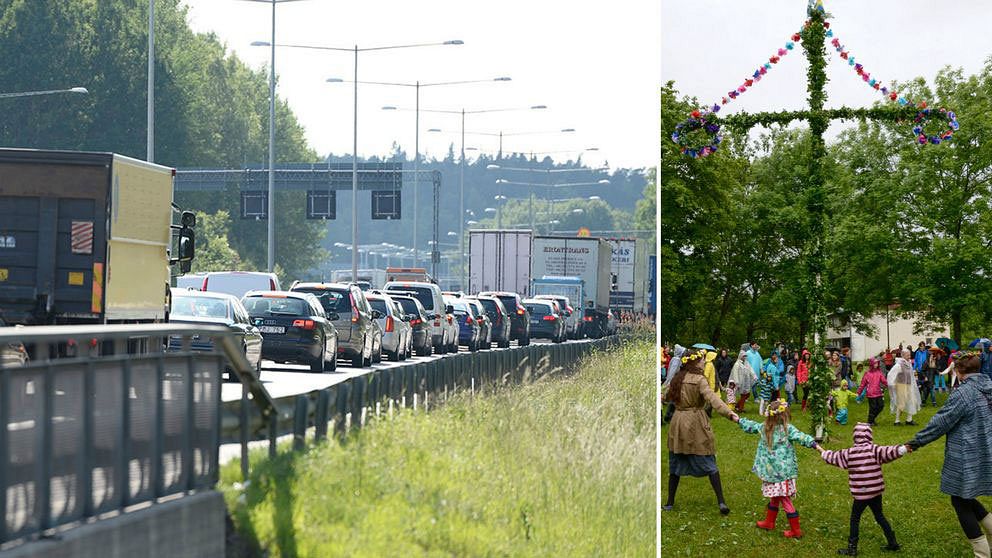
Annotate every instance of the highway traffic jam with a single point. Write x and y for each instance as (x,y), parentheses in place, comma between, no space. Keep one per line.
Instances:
(359,323)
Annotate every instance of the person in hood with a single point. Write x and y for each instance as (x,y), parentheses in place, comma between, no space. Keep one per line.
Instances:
(754,358)
(802,375)
(907,395)
(724,364)
(740,383)
(871,385)
(777,373)
(863,462)
(691,446)
(966,420)
(673,369)
(709,370)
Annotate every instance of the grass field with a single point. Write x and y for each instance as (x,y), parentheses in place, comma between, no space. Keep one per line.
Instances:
(922,517)
(562,467)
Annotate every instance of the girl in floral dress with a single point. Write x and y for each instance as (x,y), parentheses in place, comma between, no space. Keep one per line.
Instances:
(775,463)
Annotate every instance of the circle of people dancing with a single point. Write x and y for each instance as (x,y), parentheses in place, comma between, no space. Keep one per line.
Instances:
(694,378)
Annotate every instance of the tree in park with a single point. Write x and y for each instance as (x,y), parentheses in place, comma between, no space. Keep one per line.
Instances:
(699,136)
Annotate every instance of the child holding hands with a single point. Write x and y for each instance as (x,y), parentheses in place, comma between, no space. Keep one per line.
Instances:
(863,462)
(775,463)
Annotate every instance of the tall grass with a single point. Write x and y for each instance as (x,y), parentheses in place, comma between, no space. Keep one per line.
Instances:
(562,467)
(922,517)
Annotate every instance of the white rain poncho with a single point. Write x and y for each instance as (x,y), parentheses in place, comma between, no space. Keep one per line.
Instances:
(902,382)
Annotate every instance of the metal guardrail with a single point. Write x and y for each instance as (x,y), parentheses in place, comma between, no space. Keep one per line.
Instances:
(351,402)
(112,422)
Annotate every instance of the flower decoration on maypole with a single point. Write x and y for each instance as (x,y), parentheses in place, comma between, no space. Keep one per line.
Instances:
(922,116)
(699,135)
(697,125)
(699,119)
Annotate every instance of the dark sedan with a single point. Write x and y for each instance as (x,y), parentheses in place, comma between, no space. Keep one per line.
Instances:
(545,322)
(214,308)
(519,316)
(499,318)
(294,328)
(418,320)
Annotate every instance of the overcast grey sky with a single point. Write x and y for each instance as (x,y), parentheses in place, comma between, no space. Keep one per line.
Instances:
(710,46)
(595,64)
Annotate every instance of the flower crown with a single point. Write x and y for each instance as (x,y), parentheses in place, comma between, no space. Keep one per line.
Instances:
(963,355)
(783,406)
(692,357)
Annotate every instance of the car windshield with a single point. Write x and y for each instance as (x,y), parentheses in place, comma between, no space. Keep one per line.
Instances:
(199,307)
(379,305)
(538,309)
(265,306)
(409,305)
(490,307)
(338,302)
(423,294)
(508,301)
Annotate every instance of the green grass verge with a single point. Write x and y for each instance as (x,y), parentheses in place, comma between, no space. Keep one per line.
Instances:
(562,467)
(922,517)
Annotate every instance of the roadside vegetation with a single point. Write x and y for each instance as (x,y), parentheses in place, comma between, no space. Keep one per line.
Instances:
(561,467)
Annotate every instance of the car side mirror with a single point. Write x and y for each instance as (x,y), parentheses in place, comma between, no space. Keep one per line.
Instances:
(449,309)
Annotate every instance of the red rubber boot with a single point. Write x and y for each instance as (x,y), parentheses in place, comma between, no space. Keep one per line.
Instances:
(794,532)
(770,515)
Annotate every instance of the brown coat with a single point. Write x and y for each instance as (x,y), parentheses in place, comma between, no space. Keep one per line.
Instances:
(690,431)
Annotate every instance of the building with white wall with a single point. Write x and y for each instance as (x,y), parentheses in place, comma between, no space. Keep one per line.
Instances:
(891,330)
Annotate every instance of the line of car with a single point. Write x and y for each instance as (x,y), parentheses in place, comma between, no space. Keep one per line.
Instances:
(316,324)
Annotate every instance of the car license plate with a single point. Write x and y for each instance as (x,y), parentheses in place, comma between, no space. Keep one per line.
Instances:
(272,329)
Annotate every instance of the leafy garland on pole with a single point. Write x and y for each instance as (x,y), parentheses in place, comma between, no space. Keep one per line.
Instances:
(814,194)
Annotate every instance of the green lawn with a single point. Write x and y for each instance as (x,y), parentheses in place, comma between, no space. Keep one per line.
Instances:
(563,467)
(922,517)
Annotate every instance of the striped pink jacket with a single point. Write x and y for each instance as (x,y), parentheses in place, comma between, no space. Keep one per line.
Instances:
(863,462)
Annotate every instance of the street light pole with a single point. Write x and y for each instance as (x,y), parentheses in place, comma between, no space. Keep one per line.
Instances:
(416,170)
(271,210)
(150,141)
(354,178)
(461,208)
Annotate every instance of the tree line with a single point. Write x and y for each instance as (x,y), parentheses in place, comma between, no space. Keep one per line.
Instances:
(909,226)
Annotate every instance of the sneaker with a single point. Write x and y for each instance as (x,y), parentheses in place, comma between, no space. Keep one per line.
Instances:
(892,546)
(897,423)
(910,423)
(724,510)
(666,508)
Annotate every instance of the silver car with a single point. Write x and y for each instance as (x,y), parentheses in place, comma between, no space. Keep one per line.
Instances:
(395,331)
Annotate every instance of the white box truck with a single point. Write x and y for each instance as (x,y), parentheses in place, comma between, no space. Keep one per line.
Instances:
(622,267)
(588,259)
(500,260)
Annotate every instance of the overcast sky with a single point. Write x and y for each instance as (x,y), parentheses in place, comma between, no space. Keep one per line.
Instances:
(594,64)
(896,40)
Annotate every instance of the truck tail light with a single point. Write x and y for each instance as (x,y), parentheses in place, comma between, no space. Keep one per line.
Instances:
(304,324)
(354,308)
(272,284)
(549,318)
(587,319)
(569,309)
(204,286)
(389,324)
(520,311)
